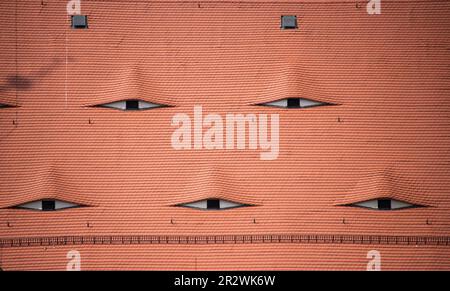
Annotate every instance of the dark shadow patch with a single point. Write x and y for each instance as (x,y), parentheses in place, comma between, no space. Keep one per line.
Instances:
(20,82)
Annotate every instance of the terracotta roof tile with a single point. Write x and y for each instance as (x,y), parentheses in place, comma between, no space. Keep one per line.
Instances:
(387,136)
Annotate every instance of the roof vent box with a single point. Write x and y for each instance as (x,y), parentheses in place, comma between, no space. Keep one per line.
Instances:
(288,22)
(79,22)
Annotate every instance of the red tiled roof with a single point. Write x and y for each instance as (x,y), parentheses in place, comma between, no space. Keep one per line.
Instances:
(387,137)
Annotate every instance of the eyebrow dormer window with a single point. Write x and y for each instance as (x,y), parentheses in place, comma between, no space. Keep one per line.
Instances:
(295,103)
(384,204)
(47,205)
(132,104)
(213,204)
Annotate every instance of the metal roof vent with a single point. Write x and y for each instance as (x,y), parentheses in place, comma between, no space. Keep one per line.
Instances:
(79,22)
(288,22)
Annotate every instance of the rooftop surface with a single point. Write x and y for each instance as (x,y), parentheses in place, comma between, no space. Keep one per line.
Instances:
(385,137)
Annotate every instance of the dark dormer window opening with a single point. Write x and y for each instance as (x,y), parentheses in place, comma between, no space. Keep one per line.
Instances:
(293,102)
(384,204)
(213,204)
(132,104)
(48,205)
